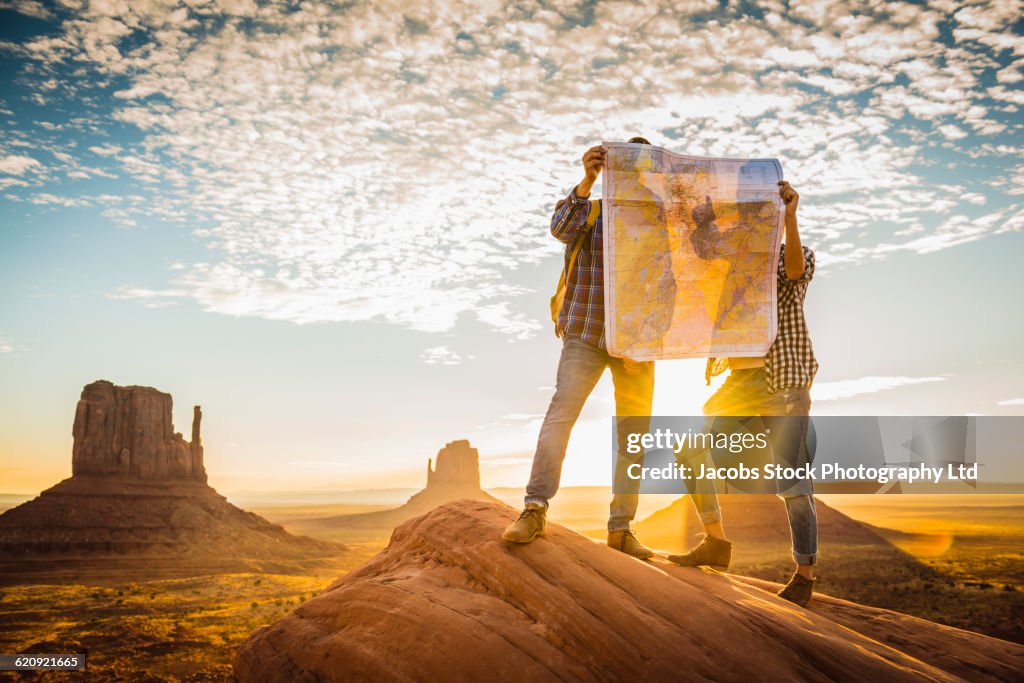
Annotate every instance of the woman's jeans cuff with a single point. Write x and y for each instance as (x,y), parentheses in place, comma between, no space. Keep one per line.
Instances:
(802,559)
(710,517)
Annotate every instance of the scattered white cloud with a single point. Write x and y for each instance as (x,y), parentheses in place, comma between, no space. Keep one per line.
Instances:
(15,164)
(397,161)
(848,388)
(951,132)
(442,355)
(107,150)
(8,346)
(1012,182)
(6,183)
(961,229)
(987,23)
(1010,74)
(31,8)
(59,200)
(150,298)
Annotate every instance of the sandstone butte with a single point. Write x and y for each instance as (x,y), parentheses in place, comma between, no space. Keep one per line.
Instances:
(455,474)
(448,600)
(138,502)
(452,475)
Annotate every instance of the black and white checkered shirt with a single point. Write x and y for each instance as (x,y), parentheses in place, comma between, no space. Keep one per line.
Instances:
(790,362)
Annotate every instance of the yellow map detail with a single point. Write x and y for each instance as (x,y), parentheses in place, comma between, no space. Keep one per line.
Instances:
(691,247)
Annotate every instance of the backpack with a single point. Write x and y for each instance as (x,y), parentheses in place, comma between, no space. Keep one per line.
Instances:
(559,296)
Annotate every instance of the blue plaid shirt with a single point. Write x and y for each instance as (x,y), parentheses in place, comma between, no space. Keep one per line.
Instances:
(582,314)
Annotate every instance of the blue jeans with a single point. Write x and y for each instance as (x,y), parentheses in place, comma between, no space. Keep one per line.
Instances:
(785,416)
(702,491)
(579,369)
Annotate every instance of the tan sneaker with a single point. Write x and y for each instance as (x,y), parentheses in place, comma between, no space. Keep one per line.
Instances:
(625,541)
(798,590)
(712,552)
(531,523)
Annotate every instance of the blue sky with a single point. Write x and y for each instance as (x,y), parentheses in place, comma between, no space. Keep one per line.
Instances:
(329,225)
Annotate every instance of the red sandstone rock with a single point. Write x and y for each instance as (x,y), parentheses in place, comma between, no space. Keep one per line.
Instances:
(448,600)
(138,502)
(456,476)
(458,465)
(128,431)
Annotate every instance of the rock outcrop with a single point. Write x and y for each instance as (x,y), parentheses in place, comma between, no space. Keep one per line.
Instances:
(138,501)
(456,475)
(128,431)
(448,600)
(458,466)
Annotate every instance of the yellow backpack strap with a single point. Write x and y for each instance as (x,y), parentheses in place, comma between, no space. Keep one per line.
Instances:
(593,213)
(556,301)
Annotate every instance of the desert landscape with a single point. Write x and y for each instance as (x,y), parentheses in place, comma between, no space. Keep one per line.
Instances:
(136,561)
(299,295)
(189,629)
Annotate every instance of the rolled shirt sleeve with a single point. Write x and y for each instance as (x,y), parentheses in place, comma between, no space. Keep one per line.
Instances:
(570,217)
(808,267)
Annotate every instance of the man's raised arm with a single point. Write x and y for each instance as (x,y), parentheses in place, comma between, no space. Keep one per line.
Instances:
(570,215)
(794,254)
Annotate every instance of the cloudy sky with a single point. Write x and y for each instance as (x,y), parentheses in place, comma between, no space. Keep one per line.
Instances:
(328,225)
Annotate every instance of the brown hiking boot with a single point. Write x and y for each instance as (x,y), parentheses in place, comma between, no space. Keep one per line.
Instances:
(531,524)
(798,590)
(625,541)
(712,552)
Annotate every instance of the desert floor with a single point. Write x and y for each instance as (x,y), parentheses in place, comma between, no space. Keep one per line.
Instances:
(960,562)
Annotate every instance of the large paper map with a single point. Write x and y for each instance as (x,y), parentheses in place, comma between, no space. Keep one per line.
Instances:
(691,247)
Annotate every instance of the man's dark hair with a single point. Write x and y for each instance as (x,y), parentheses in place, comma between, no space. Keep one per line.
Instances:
(642,141)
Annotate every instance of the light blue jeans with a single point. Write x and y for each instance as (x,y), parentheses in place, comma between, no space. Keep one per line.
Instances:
(785,415)
(579,369)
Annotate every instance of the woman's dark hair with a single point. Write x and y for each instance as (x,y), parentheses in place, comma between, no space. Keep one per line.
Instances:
(642,141)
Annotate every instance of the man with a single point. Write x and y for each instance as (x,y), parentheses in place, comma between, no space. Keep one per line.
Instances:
(583,361)
(776,387)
